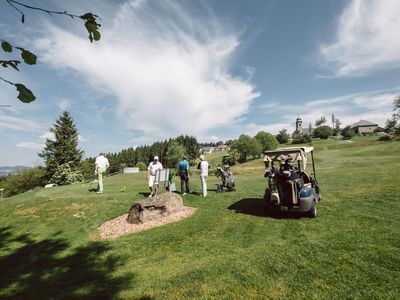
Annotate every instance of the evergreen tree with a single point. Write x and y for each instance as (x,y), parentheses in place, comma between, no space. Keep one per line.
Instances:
(320,121)
(64,148)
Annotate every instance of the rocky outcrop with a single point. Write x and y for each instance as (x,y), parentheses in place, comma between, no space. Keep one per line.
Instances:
(154,208)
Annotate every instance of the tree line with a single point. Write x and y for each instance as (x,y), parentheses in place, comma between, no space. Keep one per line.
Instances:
(63,163)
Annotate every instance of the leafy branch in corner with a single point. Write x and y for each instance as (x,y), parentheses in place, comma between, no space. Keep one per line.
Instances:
(25,94)
(91,24)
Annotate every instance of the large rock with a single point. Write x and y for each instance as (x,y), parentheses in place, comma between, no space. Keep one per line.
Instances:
(154,208)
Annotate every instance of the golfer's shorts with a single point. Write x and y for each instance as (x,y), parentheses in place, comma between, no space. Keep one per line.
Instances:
(152,178)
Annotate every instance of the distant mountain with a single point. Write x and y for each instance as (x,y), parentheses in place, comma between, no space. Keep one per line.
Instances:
(5,170)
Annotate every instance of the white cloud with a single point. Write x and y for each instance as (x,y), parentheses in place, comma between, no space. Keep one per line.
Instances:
(18,124)
(367,38)
(252,128)
(30,145)
(81,139)
(167,65)
(375,106)
(48,136)
(210,138)
(63,104)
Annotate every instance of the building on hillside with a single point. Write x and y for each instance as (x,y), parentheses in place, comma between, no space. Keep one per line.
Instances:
(300,129)
(207,150)
(308,131)
(222,148)
(364,127)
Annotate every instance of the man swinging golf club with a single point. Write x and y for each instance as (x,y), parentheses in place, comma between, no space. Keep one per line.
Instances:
(101,166)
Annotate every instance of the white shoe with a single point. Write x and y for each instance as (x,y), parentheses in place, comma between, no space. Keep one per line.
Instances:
(151,195)
(183,194)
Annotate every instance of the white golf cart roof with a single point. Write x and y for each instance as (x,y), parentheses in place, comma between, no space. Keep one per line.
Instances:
(289,150)
(294,153)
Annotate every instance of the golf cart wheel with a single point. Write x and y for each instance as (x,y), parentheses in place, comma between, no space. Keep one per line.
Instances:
(269,207)
(312,213)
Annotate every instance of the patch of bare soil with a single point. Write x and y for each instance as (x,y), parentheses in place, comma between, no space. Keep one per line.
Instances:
(119,226)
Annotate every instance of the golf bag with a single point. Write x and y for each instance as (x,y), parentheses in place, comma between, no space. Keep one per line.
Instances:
(225,179)
(285,185)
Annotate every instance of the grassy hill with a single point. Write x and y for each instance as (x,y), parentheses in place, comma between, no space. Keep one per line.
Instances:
(49,244)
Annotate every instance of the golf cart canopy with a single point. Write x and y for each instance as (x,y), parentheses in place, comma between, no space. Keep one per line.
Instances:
(292,153)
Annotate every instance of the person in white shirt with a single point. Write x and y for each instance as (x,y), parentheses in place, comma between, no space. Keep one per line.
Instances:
(101,166)
(151,174)
(203,166)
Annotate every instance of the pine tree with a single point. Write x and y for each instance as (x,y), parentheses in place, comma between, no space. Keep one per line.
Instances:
(64,148)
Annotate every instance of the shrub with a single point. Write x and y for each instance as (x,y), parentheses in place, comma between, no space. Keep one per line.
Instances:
(66,174)
(336,131)
(323,132)
(307,138)
(87,169)
(14,184)
(385,138)
(347,133)
(299,138)
(142,166)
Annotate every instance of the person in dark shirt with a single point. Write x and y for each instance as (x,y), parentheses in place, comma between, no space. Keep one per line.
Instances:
(184,175)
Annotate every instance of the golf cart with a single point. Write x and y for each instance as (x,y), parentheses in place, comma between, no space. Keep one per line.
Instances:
(290,188)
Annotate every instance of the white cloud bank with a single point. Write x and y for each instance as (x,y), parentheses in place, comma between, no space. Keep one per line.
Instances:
(375,106)
(16,123)
(167,65)
(30,145)
(367,39)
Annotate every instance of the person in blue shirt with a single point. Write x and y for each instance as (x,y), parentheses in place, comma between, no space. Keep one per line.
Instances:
(184,175)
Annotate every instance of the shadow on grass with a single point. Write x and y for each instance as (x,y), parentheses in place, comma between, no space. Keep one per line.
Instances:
(50,269)
(256,207)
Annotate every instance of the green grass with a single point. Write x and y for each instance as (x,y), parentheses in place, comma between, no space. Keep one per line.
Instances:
(49,245)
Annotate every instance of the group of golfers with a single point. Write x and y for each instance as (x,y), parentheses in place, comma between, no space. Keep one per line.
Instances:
(101,165)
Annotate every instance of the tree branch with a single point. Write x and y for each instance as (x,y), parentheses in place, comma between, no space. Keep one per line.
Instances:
(22,14)
(5,80)
(51,12)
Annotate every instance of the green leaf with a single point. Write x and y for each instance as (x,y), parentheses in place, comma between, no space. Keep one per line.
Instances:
(6,46)
(28,57)
(11,63)
(96,35)
(92,26)
(25,94)
(89,16)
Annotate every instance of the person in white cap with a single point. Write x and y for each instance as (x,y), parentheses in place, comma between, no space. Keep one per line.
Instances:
(101,165)
(151,174)
(203,166)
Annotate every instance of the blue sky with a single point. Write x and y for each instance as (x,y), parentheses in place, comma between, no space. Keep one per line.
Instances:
(213,69)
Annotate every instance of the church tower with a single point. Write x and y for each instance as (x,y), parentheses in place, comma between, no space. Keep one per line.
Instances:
(299,128)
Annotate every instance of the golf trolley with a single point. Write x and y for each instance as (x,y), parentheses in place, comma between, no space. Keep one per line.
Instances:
(226,181)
